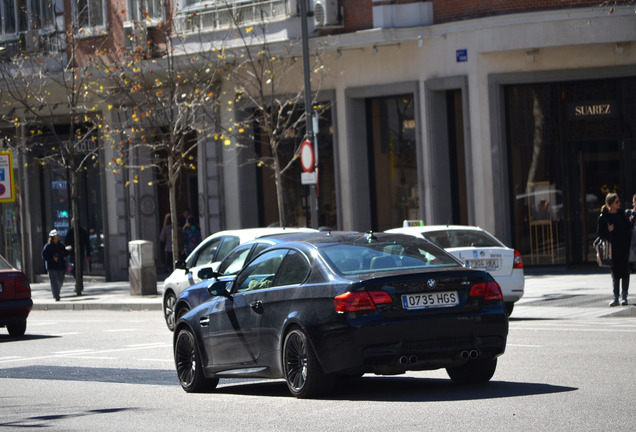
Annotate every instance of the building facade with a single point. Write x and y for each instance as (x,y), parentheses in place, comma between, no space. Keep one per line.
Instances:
(518,117)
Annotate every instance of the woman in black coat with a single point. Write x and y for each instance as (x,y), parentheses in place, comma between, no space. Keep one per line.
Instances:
(614,226)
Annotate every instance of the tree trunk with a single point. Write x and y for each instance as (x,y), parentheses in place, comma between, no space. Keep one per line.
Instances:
(172,197)
(279,188)
(77,247)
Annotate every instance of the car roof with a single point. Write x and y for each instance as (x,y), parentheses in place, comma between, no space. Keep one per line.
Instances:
(246,234)
(429,228)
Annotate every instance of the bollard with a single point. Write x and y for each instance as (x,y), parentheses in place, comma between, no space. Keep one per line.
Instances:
(141,268)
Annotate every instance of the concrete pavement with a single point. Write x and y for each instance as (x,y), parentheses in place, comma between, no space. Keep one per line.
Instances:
(563,293)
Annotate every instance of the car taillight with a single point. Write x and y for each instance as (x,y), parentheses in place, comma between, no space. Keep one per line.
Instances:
(488,290)
(22,284)
(517,261)
(360,301)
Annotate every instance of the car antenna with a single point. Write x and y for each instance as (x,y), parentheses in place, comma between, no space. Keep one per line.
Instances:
(371,236)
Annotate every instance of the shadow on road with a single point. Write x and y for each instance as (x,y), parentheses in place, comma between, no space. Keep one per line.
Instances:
(404,389)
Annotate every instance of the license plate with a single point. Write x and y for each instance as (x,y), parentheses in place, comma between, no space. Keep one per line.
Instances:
(430,300)
(488,264)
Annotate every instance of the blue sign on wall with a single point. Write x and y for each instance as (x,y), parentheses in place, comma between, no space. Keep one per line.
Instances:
(461,55)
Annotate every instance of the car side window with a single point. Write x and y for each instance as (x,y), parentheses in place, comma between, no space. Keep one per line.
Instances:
(233,263)
(294,270)
(227,245)
(259,274)
(206,254)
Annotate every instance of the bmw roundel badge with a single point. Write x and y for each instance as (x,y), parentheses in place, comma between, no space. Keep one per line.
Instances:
(431,283)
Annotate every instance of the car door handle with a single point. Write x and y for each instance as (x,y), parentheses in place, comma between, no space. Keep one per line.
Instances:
(257,306)
(204,321)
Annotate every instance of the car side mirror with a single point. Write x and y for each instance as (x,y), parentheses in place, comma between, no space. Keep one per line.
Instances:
(180,264)
(219,288)
(207,273)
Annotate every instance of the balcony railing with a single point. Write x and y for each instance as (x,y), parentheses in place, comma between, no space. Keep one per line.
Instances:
(217,17)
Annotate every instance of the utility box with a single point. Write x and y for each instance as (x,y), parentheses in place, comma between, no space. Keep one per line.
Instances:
(142,272)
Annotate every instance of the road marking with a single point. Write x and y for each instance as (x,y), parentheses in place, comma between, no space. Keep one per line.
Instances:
(72,352)
(524,345)
(121,330)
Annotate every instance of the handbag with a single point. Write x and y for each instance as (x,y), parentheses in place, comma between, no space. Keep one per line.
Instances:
(603,252)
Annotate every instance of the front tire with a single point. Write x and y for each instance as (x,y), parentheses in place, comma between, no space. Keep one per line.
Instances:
(17,330)
(189,367)
(303,373)
(168,310)
(473,372)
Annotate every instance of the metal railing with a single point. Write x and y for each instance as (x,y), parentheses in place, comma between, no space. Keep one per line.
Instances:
(216,17)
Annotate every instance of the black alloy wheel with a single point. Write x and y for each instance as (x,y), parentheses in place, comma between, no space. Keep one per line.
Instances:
(473,372)
(188,363)
(303,373)
(17,330)
(168,310)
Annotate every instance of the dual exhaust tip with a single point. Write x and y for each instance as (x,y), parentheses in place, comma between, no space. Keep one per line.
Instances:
(469,355)
(404,360)
(465,355)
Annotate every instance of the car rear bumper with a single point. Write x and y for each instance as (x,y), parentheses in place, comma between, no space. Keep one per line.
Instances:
(394,348)
(14,311)
(512,286)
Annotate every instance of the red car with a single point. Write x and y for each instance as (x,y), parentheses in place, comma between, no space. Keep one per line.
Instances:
(15,299)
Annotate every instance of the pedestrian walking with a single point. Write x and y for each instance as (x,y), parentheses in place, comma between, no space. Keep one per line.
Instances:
(631,215)
(613,225)
(54,256)
(191,235)
(165,239)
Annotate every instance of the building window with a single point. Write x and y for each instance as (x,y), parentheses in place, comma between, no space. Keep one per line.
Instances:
(24,15)
(90,14)
(149,11)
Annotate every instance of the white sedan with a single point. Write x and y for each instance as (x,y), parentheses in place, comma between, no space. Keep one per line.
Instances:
(209,254)
(479,249)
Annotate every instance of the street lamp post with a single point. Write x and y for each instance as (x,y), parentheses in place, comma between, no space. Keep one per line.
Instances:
(309,111)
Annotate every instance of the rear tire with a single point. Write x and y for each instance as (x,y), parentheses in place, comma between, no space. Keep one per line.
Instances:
(303,373)
(473,372)
(168,310)
(189,367)
(509,307)
(17,330)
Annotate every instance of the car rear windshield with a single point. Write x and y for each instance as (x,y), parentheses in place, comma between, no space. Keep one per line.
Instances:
(351,259)
(461,238)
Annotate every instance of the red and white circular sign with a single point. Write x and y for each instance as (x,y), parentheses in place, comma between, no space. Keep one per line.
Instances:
(307,156)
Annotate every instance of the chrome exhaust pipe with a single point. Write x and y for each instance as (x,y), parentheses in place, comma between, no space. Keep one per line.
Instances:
(465,355)
(474,354)
(413,359)
(404,360)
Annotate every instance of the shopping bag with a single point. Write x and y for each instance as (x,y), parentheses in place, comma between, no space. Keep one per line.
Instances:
(603,252)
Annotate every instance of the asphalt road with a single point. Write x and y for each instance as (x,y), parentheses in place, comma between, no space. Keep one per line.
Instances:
(567,367)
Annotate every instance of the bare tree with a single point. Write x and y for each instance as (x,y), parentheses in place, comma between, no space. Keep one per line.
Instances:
(47,99)
(267,80)
(163,95)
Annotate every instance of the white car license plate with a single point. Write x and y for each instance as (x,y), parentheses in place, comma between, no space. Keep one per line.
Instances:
(488,264)
(430,300)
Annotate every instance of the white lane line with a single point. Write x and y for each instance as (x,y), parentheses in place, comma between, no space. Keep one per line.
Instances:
(524,345)
(91,357)
(10,358)
(156,360)
(75,354)
(121,330)
(80,351)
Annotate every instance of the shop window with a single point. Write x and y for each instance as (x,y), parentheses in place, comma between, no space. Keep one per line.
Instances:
(393,161)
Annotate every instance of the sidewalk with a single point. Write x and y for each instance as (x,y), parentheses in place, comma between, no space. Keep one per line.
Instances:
(97,294)
(571,293)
